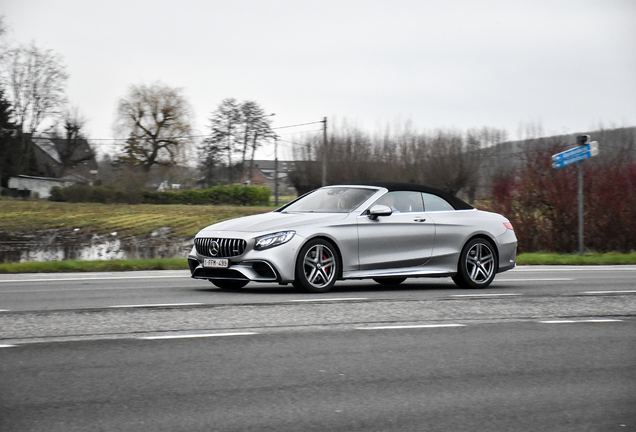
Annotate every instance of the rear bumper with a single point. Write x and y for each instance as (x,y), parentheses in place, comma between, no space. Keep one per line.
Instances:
(507,256)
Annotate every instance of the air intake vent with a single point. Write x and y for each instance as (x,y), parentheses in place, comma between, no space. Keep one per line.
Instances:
(219,247)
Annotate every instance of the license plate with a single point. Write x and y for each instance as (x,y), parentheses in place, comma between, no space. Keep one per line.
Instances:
(216,263)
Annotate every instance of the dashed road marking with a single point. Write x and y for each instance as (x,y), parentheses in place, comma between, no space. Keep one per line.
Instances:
(156,305)
(191,336)
(329,299)
(6,346)
(486,295)
(397,327)
(600,320)
(609,292)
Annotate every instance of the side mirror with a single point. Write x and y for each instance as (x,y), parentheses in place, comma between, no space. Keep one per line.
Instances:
(379,210)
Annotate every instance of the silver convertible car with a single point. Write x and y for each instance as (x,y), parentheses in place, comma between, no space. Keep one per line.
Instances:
(382,231)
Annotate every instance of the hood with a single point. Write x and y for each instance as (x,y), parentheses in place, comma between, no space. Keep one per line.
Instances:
(274,221)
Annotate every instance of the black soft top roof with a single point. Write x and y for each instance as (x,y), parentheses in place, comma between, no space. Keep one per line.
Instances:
(457,203)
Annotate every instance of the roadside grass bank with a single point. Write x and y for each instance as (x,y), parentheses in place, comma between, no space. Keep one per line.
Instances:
(94,266)
(181,263)
(18,216)
(590,258)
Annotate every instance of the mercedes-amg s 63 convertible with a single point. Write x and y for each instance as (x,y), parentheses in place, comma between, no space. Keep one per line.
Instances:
(382,231)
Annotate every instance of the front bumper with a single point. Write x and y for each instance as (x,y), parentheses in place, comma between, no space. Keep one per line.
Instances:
(259,271)
(276,264)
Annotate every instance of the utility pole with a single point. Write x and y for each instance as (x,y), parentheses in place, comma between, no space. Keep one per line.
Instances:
(324,151)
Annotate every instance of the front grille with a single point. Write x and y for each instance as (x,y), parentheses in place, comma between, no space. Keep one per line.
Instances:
(223,247)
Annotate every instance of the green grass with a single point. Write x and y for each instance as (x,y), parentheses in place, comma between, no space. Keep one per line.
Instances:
(20,216)
(590,258)
(181,263)
(95,266)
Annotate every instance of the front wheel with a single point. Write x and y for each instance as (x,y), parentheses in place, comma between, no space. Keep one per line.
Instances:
(317,266)
(477,264)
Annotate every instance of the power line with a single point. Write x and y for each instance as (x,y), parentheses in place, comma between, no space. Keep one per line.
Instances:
(188,136)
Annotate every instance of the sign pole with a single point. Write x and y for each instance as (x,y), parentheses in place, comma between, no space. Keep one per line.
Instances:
(580,195)
(585,150)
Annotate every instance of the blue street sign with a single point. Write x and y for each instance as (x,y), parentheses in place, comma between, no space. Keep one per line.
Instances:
(573,155)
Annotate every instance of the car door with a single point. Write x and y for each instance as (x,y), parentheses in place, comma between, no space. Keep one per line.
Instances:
(403,239)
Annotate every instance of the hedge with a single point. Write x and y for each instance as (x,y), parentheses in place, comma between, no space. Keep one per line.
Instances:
(218,195)
(226,195)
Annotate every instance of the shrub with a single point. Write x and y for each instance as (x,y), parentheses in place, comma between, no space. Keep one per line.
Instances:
(93,194)
(541,202)
(218,195)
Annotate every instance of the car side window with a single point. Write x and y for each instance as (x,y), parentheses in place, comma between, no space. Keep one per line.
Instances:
(433,203)
(402,201)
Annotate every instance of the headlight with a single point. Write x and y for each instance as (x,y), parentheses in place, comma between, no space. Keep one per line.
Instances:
(271,240)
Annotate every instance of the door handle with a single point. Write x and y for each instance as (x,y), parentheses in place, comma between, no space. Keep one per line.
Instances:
(420,219)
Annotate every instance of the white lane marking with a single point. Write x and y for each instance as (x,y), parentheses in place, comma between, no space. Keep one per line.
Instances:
(603,320)
(329,299)
(156,305)
(410,326)
(609,292)
(190,336)
(94,278)
(535,280)
(6,346)
(4,310)
(557,321)
(485,295)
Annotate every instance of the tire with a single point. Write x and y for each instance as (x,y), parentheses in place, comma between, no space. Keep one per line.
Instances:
(229,284)
(317,267)
(477,264)
(390,280)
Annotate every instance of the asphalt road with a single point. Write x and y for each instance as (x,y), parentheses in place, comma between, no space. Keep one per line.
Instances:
(550,349)
(29,292)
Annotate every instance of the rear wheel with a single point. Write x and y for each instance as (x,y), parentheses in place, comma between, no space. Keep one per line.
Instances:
(389,280)
(229,284)
(477,264)
(317,266)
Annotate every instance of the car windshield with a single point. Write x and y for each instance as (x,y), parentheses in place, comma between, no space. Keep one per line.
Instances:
(330,200)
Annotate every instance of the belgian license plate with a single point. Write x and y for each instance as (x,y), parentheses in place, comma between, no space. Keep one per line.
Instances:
(216,263)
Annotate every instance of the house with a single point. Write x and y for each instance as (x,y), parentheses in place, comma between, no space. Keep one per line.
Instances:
(264,172)
(37,187)
(57,157)
(59,163)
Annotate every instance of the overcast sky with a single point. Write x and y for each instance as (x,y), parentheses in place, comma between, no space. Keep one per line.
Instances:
(566,65)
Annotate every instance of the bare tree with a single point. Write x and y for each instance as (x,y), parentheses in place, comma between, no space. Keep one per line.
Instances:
(224,124)
(35,80)
(256,127)
(157,121)
(235,128)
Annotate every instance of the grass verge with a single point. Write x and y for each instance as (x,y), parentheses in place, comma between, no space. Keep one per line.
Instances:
(182,264)
(611,258)
(95,266)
